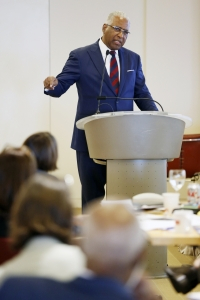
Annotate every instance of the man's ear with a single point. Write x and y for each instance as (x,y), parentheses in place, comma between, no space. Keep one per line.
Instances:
(104,27)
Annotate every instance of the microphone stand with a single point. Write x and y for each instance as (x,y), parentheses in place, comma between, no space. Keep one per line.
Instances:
(133,99)
(99,98)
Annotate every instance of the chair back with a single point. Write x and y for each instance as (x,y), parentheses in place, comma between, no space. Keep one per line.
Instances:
(6,252)
(189,159)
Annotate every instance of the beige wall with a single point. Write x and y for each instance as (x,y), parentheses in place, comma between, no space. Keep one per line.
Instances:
(24,61)
(173,56)
(37,36)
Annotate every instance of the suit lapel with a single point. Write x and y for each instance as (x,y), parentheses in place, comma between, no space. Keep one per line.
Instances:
(123,68)
(96,57)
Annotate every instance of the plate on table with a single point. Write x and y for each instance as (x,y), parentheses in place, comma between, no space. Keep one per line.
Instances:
(148,201)
(152,207)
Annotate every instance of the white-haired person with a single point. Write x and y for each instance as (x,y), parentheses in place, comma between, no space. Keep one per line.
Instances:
(115,248)
(41,230)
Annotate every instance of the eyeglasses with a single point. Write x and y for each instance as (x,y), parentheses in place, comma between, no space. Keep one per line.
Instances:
(119,29)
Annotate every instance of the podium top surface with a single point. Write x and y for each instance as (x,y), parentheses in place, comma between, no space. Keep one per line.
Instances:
(81,123)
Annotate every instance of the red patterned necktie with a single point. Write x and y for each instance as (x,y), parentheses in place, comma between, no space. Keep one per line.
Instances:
(114,74)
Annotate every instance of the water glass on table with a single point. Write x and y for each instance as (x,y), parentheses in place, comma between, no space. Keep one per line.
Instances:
(170,202)
(183,220)
(177,178)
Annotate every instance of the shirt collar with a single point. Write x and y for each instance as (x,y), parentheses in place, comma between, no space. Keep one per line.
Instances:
(104,48)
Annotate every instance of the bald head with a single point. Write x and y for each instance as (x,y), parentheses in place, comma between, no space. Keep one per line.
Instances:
(113,235)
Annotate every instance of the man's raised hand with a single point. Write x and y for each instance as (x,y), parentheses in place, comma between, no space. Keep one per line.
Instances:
(50,83)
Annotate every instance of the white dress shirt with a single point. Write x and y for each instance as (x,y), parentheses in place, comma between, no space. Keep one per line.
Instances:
(103,49)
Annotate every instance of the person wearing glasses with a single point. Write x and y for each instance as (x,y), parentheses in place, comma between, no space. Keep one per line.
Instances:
(123,78)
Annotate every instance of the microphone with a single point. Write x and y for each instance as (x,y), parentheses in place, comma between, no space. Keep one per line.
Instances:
(133,99)
(102,78)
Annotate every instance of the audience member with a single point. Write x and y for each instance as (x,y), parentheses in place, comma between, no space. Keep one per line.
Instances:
(44,147)
(16,166)
(115,248)
(41,221)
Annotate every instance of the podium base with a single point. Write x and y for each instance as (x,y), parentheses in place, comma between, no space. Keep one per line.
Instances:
(156,261)
(127,178)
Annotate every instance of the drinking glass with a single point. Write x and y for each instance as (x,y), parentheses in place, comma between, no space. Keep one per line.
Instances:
(177,178)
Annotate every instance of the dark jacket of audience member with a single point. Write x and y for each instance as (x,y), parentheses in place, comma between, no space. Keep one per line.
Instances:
(22,288)
(44,147)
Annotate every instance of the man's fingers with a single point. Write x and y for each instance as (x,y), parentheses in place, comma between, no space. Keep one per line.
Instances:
(50,82)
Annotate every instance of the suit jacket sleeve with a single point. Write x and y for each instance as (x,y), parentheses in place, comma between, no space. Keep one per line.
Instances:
(69,75)
(141,91)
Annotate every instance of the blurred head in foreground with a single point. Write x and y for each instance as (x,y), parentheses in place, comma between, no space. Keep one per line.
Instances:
(16,166)
(114,243)
(44,147)
(42,207)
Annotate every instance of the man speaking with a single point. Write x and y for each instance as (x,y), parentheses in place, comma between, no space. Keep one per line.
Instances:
(103,68)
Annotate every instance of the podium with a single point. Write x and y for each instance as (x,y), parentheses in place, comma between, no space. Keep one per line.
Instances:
(136,147)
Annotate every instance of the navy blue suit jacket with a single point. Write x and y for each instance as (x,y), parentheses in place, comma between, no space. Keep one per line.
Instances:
(97,288)
(85,67)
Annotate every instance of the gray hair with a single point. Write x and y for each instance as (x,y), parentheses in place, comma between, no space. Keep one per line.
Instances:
(113,235)
(119,14)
